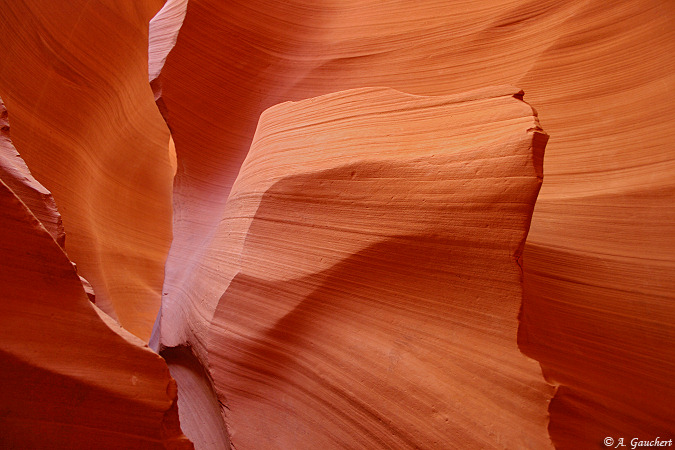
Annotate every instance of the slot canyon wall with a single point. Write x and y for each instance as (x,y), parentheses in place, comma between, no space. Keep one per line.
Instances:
(353,224)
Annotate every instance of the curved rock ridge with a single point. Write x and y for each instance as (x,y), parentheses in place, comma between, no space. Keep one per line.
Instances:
(368,255)
(233,60)
(40,202)
(344,269)
(599,255)
(74,78)
(15,174)
(199,408)
(598,310)
(222,257)
(162,34)
(71,377)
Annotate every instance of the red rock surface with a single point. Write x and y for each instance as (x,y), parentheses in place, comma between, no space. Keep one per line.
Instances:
(375,299)
(81,110)
(163,32)
(597,311)
(15,173)
(294,294)
(71,377)
(84,120)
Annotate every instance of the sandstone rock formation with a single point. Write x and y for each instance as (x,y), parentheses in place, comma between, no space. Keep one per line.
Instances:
(82,113)
(374,303)
(15,174)
(71,377)
(597,311)
(353,221)
(73,76)
(345,246)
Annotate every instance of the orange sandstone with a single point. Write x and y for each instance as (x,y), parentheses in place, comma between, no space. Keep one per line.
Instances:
(375,298)
(74,79)
(71,377)
(344,269)
(599,268)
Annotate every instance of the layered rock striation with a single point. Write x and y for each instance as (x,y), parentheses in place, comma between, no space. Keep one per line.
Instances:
(375,296)
(15,174)
(71,376)
(597,310)
(73,76)
(348,262)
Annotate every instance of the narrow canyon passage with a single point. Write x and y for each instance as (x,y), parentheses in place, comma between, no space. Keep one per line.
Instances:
(335,223)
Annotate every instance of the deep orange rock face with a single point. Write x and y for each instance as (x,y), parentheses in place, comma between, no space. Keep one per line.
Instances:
(379,235)
(349,262)
(74,79)
(71,377)
(597,311)
(80,115)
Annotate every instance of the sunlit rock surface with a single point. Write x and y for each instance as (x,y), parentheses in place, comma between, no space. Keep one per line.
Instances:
(599,267)
(268,308)
(74,78)
(375,299)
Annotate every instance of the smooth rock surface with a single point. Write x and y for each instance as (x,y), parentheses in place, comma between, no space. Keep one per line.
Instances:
(368,256)
(71,377)
(73,75)
(599,267)
(162,33)
(334,284)
(15,174)
(198,405)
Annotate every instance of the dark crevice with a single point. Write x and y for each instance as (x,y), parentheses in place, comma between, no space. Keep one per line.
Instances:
(200,411)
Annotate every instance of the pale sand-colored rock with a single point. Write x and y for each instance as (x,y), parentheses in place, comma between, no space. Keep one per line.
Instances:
(198,405)
(368,257)
(71,377)
(163,32)
(73,75)
(599,260)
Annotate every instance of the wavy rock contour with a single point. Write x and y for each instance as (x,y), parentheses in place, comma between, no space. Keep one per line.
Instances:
(371,279)
(74,78)
(599,270)
(71,376)
(15,174)
(319,290)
